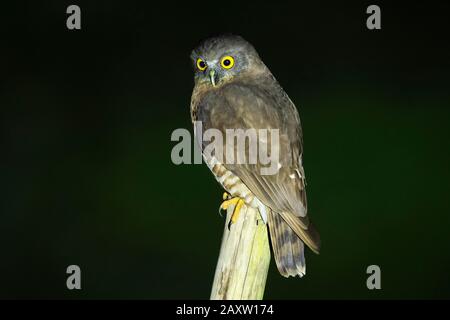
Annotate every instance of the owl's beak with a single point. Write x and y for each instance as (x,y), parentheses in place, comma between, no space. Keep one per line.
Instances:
(212,77)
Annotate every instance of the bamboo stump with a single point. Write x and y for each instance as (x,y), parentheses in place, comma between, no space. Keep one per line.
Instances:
(244,258)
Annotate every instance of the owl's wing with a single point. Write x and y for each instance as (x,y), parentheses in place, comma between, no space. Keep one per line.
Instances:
(266,106)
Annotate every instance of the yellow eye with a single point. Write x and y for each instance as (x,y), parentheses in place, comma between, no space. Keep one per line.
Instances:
(201,65)
(227,62)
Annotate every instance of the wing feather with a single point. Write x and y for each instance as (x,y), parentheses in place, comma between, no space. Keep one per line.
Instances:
(242,105)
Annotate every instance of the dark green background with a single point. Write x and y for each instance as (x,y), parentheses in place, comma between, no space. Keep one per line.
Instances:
(86,174)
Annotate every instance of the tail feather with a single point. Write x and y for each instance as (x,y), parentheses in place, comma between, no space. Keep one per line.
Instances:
(287,247)
(308,234)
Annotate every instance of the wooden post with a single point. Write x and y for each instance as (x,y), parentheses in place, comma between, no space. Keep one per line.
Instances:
(244,258)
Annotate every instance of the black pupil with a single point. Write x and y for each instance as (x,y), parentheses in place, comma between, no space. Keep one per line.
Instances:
(226,62)
(202,64)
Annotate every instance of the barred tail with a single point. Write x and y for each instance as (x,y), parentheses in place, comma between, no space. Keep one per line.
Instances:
(287,247)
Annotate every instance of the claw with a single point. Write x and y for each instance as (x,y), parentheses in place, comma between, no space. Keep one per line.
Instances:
(228,201)
(236,211)
(225,197)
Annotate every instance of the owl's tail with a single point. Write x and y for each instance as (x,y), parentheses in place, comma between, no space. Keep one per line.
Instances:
(287,247)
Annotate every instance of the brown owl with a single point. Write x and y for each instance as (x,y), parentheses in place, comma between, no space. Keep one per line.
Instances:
(235,90)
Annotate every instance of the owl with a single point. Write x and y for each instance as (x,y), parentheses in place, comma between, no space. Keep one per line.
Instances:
(234,90)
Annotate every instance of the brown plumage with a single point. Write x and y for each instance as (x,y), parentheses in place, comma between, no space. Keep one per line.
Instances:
(247,96)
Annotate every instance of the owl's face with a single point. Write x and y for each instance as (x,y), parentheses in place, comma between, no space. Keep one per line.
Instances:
(219,60)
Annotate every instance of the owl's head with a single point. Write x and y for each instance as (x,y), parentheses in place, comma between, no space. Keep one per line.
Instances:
(220,59)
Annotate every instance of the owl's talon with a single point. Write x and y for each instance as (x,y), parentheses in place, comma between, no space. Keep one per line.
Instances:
(224,206)
(236,212)
(228,201)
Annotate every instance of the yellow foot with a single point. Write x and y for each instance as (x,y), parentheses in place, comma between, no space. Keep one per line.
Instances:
(228,201)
